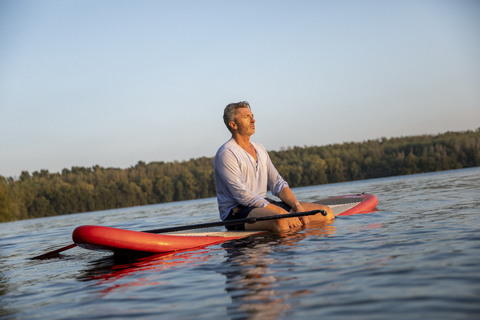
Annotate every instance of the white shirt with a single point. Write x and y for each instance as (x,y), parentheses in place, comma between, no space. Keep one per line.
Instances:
(241,180)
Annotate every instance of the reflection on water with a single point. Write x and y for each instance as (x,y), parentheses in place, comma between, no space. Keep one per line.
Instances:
(121,273)
(252,284)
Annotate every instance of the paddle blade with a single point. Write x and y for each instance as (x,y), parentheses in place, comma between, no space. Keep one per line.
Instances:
(51,254)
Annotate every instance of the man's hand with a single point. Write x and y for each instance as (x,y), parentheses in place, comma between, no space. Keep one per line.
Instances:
(287,196)
(292,222)
(298,208)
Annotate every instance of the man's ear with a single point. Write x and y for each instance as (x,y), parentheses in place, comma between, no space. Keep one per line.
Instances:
(232,125)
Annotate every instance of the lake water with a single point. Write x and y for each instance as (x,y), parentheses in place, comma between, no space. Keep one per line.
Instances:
(418,257)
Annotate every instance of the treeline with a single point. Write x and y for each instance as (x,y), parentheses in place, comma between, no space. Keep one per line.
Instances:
(42,194)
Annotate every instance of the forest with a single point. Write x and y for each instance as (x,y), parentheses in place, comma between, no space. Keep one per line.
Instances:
(79,189)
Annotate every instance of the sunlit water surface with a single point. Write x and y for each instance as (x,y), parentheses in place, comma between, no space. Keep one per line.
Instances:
(418,257)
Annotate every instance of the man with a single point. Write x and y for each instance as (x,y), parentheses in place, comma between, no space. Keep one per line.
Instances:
(243,170)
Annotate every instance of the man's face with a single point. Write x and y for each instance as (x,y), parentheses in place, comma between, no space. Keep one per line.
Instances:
(244,122)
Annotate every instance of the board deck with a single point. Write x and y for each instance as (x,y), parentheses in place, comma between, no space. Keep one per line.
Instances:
(351,204)
(122,241)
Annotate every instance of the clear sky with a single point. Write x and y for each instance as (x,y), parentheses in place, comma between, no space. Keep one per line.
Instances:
(114,82)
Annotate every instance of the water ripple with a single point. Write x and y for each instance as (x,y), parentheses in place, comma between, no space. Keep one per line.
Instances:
(417,257)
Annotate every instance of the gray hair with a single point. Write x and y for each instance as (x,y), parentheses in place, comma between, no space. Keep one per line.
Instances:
(230,112)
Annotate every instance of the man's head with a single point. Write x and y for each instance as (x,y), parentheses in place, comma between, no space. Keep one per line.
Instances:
(231,111)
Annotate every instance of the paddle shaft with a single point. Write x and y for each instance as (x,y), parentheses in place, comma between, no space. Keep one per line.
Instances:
(234,222)
(203,225)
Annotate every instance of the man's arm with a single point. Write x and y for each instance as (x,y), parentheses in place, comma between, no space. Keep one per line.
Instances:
(287,196)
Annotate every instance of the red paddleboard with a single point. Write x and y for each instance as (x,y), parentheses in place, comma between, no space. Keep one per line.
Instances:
(125,241)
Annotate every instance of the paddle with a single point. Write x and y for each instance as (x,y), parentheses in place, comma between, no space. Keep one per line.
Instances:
(203,225)
(234,222)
